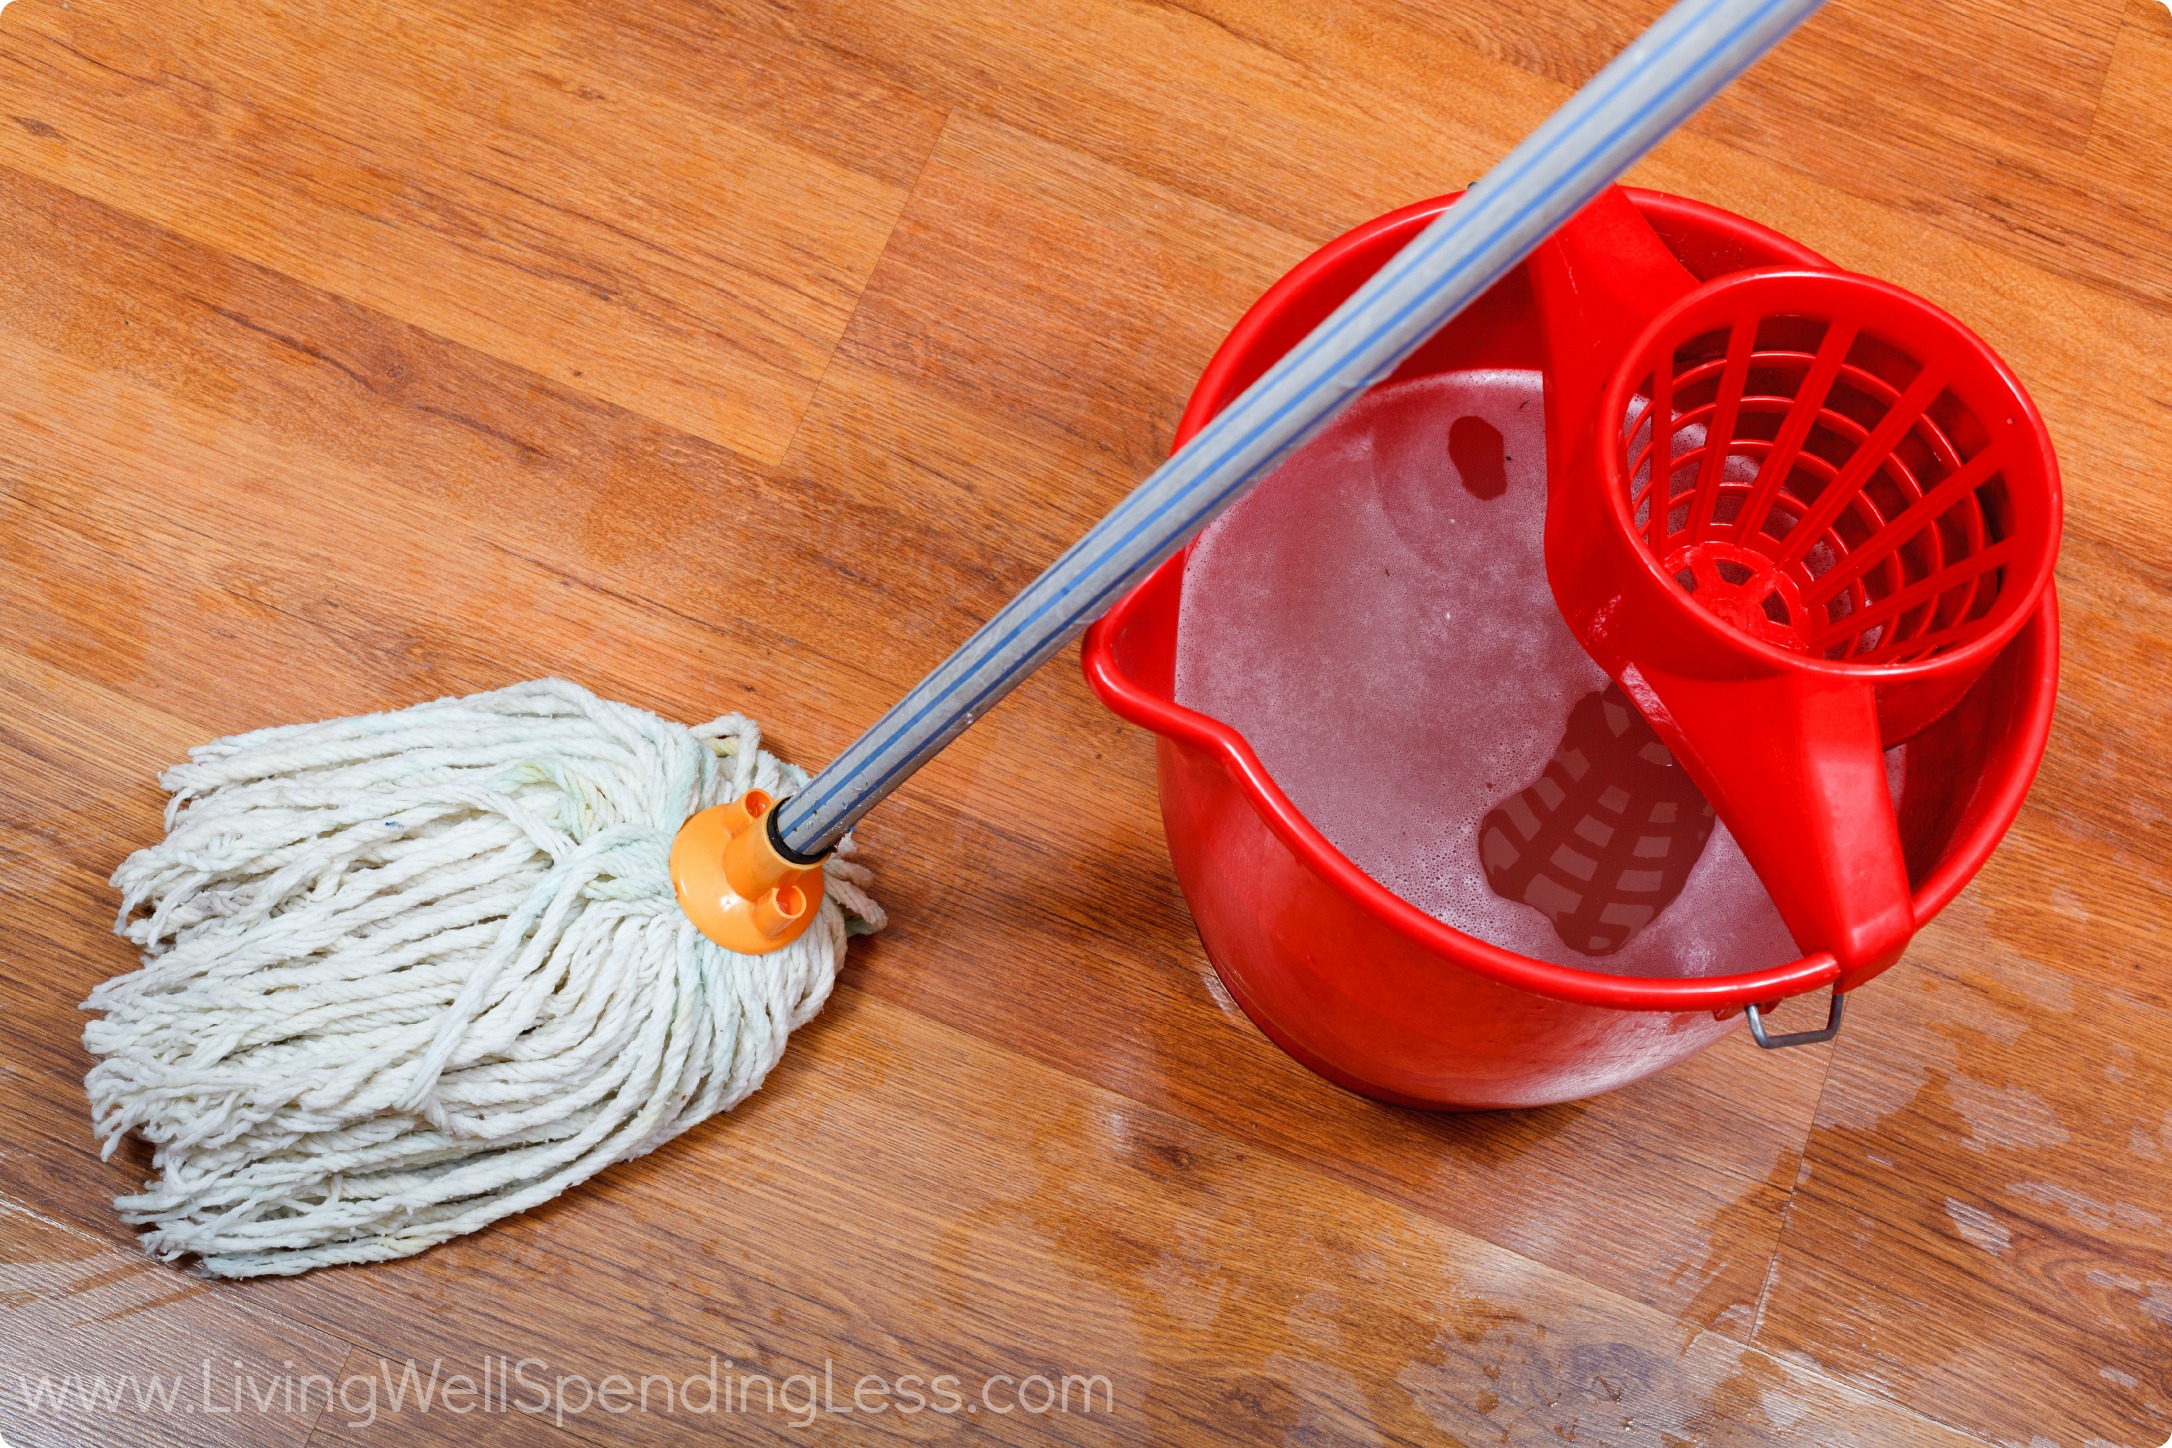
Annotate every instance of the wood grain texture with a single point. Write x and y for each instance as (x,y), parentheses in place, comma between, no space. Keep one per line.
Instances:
(1965,1208)
(743,357)
(104,1345)
(543,197)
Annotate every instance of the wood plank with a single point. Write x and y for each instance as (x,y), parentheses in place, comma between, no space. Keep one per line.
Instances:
(139,441)
(951,1208)
(2130,132)
(76,803)
(258,378)
(100,1344)
(746,357)
(1143,1240)
(385,1405)
(489,182)
(1253,108)
(1984,1203)
(1287,114)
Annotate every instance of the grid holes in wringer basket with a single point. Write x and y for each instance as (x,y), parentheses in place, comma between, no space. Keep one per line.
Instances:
(1854,508)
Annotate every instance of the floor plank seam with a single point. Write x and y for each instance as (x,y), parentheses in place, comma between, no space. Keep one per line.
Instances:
(390,322)
(814,395)
(1787,1208)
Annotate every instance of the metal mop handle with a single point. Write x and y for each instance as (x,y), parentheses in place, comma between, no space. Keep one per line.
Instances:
(1626,109)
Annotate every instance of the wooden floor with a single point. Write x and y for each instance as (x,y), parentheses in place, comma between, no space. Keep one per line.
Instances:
(741,357)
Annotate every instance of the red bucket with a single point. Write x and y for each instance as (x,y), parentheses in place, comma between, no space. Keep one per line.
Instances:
(1372,992)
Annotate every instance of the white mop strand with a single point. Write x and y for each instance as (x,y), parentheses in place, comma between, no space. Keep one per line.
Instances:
(408,973)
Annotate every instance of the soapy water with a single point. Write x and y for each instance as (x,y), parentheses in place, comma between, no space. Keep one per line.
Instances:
(1375,620)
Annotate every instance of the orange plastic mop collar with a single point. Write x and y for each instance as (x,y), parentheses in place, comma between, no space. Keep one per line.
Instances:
(735,883)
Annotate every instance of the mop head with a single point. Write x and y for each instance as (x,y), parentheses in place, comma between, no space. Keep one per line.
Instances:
(408,973)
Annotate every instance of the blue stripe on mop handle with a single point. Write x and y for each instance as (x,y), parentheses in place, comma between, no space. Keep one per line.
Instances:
(1626,109)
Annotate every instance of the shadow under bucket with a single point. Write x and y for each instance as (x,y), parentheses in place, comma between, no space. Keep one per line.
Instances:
(1375,993)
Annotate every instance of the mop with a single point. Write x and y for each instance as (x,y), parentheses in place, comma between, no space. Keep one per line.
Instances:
(408,973)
